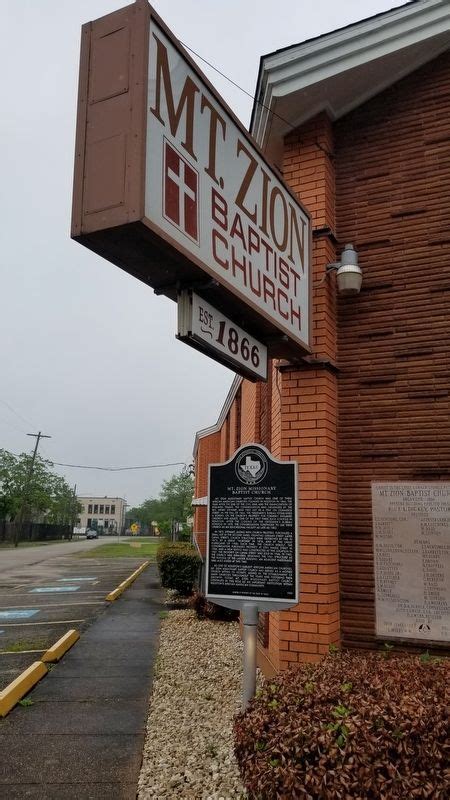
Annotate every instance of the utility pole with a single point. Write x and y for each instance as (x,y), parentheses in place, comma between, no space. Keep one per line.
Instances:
(73,515)
(26,488)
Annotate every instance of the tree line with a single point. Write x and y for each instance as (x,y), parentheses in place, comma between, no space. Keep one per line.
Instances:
(49,498)
(171,510)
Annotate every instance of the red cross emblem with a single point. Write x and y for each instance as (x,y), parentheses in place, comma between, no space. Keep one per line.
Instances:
(180,192)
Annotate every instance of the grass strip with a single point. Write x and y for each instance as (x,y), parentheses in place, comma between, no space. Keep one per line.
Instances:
(123,550)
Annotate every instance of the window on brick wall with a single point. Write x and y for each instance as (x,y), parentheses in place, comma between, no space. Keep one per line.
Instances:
(113,509)
(90,508)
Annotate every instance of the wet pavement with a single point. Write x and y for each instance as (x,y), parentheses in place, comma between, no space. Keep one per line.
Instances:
(82,736)
(38,604)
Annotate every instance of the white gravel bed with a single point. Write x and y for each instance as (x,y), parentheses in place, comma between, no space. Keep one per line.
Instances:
(188,751)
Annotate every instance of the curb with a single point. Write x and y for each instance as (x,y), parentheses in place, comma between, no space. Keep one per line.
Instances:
(57,650)
(21,686)
(126,583)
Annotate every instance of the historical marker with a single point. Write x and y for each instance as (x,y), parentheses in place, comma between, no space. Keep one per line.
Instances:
(411,539)
(252,553)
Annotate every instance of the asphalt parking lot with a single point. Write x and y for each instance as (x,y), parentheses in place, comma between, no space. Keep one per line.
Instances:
(79,733)
(37,607)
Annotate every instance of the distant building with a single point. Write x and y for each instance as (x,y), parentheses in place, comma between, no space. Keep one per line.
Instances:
(107,514)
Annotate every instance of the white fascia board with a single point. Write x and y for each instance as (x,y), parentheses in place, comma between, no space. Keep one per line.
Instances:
(390,31)
(355,46)
(315,69)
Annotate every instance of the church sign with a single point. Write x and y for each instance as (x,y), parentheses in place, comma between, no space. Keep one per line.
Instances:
(203,327)
(170,187)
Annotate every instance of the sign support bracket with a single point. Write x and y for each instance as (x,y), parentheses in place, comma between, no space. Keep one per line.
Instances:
(250,621)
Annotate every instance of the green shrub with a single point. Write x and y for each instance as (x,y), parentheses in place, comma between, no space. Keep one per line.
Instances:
(178,565)
(357,725)
(160,551)
(207,610)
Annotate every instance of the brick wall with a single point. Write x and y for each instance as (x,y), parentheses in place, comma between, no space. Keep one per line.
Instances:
(304,421)
(208,452)
(377,381)
(250,410)
(393,203)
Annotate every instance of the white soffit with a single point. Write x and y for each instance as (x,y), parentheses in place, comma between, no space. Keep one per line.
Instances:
(341,70)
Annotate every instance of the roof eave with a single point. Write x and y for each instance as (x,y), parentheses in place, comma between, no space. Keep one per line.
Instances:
(390,45)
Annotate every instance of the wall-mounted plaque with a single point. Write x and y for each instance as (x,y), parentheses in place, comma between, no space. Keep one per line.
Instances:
(252,544)
(411,540)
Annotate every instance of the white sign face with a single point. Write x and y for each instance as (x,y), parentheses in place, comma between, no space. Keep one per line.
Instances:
(211,195)
(411,534)
(199,321)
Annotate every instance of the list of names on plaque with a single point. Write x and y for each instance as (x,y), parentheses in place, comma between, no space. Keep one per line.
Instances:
(411,539)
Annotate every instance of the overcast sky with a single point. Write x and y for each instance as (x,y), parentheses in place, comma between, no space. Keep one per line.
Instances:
(88,354)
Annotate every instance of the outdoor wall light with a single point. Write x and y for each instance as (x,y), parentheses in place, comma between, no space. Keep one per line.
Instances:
(348,272)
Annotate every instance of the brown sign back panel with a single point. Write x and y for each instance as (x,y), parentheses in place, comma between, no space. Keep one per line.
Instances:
(108,214)
(109,158)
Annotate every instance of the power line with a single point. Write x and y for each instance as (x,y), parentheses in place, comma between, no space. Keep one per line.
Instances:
(19,416)
(114,469)
(222,74)
(252,96)
(11,425)
(104,469)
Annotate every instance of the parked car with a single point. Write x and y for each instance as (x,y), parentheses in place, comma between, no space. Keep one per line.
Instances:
(91,534)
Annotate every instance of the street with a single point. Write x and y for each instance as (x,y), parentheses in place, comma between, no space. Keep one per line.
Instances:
(11,561)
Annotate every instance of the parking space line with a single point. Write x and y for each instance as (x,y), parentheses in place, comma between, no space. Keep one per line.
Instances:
(49,622)
(25,594)
(58,605)
(18,652)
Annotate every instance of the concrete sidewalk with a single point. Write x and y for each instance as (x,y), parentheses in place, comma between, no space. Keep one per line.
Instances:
(82,739)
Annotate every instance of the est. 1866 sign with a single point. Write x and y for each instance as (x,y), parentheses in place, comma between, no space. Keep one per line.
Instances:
(252,544)
(169,186)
